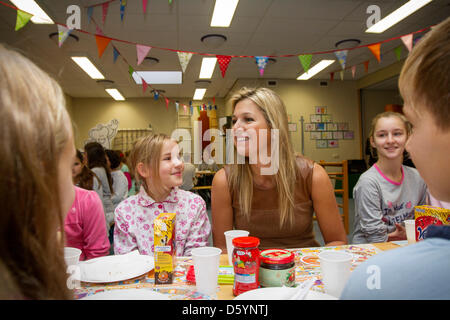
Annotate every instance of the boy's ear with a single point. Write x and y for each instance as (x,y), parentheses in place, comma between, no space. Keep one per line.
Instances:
(143,170)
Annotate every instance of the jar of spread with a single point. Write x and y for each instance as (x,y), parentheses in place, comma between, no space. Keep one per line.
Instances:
(277,268)
(245,264)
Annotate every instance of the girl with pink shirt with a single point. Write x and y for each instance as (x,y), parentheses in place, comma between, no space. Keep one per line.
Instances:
(156,164)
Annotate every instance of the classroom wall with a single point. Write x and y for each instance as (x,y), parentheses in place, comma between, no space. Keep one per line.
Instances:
(300,98)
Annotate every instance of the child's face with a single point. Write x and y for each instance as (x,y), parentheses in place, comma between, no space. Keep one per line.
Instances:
(77,167)
(170,165)
(429,148)
(389,138)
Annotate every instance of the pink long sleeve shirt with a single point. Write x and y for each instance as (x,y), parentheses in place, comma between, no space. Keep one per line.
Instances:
(85,225)
(134,222)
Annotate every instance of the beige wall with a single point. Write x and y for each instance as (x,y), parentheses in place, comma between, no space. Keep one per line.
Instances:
(300,98)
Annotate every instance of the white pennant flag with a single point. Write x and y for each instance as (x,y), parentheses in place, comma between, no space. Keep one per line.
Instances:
(342,57)
(184,57)
(408,41)
(63,33)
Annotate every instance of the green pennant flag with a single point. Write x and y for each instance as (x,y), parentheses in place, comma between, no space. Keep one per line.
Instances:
(398,52)
(130,71)
(22,19)
(305,60)
(170,1)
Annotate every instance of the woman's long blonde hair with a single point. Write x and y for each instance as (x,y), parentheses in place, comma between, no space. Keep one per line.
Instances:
(241,176)
(34,129)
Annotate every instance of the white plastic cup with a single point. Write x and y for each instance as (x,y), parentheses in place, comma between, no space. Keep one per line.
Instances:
(71,256)
(229,236)
(410,226)
(206,268)
(336,269)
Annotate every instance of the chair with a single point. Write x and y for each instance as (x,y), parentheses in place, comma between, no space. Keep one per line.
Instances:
(340,176)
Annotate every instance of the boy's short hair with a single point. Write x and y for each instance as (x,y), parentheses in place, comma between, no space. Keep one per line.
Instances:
(425,77)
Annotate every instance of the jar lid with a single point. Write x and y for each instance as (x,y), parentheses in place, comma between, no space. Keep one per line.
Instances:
(277,256)
(246,242)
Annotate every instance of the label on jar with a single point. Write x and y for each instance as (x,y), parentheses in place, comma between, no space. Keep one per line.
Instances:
(245,278)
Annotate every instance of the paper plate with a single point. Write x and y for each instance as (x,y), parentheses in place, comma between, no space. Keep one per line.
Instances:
(127,294)
(279,293)
(114,268)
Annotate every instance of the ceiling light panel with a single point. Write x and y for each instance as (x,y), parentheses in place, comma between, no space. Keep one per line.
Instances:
(207,68)
(115,94)
(315,69)
(88,67)
(158,77)
(223,13)
(199,94)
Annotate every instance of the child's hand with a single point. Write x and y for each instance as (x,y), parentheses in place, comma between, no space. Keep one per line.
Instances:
(398,234)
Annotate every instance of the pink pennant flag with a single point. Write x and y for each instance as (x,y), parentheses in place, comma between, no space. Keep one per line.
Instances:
(408,41)
(141,52)
(144,5)
(144,85)
(353,72)
(167,103)
(185,108)
(104,11)
(223,63)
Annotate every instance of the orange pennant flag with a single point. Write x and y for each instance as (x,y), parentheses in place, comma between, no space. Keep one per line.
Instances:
(375,48)
(102,43)
(366,66)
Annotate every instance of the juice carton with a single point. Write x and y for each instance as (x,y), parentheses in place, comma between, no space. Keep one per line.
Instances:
(428,215)
(164,244)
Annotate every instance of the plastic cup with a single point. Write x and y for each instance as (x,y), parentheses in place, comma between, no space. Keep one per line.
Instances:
(71,256)
(229,236)
(206,268)
(410,226)
(336,269)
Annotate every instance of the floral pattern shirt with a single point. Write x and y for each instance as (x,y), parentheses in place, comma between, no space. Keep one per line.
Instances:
(134,222)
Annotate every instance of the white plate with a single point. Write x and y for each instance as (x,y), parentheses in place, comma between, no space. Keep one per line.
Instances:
(279,293)
(114,268)
(127,294)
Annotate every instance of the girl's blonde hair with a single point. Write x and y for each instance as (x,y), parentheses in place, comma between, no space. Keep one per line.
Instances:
(147,150)
(34,129)
(241,177)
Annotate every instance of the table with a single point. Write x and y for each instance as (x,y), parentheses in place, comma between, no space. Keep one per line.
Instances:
(306,267)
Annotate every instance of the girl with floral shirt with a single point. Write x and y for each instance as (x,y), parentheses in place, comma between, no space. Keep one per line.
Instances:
(156,164)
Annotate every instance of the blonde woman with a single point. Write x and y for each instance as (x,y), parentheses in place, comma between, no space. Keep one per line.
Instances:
(275,192)
(36,189)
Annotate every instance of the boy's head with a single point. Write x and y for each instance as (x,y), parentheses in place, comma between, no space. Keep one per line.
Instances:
(425,87)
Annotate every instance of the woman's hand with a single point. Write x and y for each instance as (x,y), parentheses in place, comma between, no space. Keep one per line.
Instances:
(398,234)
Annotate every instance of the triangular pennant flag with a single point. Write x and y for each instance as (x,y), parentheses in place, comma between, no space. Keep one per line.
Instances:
(223,63)
(342,74)
(144,85)
(342,57)
(104,11)
(353,72)
(123,3)
(102,43)
(90,11)
(141,52)
(144,6)
(167,103)
(417,39)
(184,58)
(115,54)
(130,71)
(185,108)
(215,107)
(177,105)
(375,49)
(214,100)
(366,66)
(63,33)
(408,41)
(155,95)
(305,60)
(398,52)
(98,31)
(170,1)
(22,19)
(262,63)
(331,76)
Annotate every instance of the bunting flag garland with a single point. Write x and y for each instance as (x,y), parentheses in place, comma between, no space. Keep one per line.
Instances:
(63,33)
(22,19)
(223,63)
(331,76)
(262,63)
(353,71)
(366,66)
(408,41)
(90,11)
(104,11)
(115,54)
(375,49)
(144,6)
(398,52)
(342,57)
(102,43)
(305,60)
(144,86)
(123,3)
(184,58)
(141,52)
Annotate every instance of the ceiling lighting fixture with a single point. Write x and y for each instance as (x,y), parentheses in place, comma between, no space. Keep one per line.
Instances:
(107,84)
(88,67)
(199,94)
(30,6)
(115,94)
(347,43)
(207,68)
(150,61)
(316,69)
(213,41)
(223,13)
(158,77)
(202,83)
(397,16)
